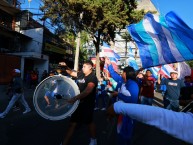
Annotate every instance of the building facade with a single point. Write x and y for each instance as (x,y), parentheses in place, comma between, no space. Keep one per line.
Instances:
(26,44)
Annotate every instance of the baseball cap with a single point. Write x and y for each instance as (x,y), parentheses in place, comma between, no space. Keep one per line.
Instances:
(17,71)
(174,72)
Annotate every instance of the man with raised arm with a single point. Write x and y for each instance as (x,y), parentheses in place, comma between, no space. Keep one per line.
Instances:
(87,83)
(173,85)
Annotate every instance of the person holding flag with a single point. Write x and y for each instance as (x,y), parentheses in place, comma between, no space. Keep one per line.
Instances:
(172,94)
(128,92)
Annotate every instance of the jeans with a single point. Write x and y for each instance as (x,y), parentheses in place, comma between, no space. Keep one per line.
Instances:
(16,97)
(122,141)
(104,99)
(146,100)
(172,104)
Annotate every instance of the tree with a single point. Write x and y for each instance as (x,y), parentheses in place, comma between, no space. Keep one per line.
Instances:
(70,38)
(100,17)
(190,63)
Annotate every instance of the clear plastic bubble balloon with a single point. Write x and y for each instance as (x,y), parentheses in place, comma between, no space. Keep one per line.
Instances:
(51,95)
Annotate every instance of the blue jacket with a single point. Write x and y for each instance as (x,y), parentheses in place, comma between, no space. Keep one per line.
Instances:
(116,77)
(127,92)
(133,89)
(130,85)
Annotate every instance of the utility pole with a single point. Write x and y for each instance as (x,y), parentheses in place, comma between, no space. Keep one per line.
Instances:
(126,52)
(76,62)
(29,1)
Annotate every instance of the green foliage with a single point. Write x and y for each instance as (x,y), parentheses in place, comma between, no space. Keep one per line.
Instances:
(70,38)
(96,17)
(103,16)
(190,63)
(83,51)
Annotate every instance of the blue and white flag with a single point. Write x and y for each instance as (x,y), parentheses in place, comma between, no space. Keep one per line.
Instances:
(182,68)
(154,71)
(106,51)
(162,40)
(131,60)
(166,69)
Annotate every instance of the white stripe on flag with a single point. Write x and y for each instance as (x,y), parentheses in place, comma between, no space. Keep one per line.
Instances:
(176,54)
(172,45)
(149,29)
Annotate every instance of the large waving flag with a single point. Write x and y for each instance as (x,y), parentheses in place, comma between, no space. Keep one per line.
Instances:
(162,40)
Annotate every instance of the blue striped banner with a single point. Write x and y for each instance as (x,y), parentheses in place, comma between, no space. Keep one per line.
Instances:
(162,40)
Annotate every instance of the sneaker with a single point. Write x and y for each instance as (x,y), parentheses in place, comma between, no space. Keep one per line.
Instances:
(57,106)
(93,142)
(103,109)
(48,106)
(26,111)
(96,108)
(2,115)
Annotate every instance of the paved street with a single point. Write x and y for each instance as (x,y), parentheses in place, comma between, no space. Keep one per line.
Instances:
(31,129)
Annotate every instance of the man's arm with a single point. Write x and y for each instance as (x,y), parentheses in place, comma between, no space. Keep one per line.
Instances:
(111,70)
(84,93)
(159,79)
(149,81)
(68,70)
(176,124)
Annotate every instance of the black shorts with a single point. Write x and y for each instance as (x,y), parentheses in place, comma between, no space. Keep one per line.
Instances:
(83,114)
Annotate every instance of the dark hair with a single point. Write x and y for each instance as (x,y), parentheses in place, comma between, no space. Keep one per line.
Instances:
(130,73)
(149,71)
(89,62)
(187,77)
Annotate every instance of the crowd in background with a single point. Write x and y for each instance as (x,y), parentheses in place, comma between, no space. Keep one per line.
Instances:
(136,87)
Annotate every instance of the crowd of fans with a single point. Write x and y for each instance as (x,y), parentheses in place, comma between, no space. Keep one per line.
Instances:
(130,87)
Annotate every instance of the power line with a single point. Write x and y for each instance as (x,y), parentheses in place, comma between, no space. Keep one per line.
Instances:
(31,8)
(47,24)
(34,14)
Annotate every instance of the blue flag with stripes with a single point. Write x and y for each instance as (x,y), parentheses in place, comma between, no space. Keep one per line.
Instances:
(131,60)
(162,40)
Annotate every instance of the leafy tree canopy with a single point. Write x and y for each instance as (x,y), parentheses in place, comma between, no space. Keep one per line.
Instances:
(97,17)
(102,16)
